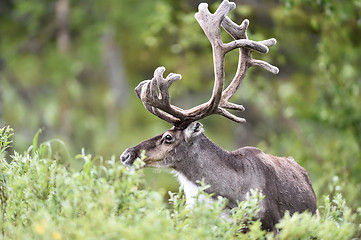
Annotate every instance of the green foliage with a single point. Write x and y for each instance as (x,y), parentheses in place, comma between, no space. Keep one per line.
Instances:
(41,199)
(333,215)
(309,111)
(5,134)
(337,61)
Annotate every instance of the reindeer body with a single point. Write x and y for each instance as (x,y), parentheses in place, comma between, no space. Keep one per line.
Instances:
(284,183)
(188,151)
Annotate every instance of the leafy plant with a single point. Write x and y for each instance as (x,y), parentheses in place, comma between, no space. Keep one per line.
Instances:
(5,134)
(42,199)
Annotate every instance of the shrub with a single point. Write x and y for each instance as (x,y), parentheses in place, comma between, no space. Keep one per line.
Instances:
(41,199)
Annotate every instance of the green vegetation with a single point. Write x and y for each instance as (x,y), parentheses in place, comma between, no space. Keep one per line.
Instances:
(41,199)
(80,90)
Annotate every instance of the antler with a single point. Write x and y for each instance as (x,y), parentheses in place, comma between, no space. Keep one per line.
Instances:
(155,93)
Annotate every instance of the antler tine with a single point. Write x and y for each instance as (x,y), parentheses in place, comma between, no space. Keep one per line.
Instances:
(236,31)
(162,115)
(155,96)
(239,33)
(211,23)
(155,93)
(158,102)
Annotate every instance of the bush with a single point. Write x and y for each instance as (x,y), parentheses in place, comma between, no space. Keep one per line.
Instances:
(42,199)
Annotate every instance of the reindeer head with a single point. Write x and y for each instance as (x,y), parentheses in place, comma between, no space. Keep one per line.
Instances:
(163,150)
(167,149)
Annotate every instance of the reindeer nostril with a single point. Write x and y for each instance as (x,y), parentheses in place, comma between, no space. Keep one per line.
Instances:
(128,157)
(125,157)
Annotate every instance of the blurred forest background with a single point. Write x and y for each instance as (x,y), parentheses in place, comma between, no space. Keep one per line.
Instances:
(70,67)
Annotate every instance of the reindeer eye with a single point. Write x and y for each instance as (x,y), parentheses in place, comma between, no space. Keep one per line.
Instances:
(168,138)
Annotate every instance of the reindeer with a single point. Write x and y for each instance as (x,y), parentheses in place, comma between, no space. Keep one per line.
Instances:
(194,157)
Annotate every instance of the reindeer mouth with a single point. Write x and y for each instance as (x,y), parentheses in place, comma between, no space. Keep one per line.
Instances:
(151,163)
(128,157)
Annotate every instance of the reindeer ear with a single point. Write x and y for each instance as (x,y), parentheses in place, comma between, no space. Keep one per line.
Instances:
(194,129)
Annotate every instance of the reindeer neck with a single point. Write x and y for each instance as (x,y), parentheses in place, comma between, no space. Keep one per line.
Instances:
(202,159)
